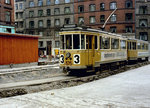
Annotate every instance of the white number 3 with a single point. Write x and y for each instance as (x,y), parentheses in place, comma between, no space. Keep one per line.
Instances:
(76,58)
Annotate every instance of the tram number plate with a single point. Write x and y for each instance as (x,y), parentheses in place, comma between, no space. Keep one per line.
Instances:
(76,58)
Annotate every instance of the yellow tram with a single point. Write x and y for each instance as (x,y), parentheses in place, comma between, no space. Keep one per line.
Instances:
(89,49)
(137,50)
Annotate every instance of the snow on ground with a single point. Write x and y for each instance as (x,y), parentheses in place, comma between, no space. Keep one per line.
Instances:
(130,89)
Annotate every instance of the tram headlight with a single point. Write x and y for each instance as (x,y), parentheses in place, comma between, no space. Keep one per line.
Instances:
(68,55)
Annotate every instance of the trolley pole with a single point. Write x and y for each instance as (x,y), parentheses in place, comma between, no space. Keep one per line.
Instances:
(108,18)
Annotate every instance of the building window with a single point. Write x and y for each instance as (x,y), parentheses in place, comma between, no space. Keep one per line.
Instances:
(48,12)
(56,11)
(40,43)
(129,4)
(143,10)
(20,6)
(48,23)
(48,33)
(56,1)
(81,20)
(113,29)
(57,22)
(31,4)
(67,1)
(31,24)
(92,19)
(40,2)
(21,14)
(7,1)
(102,18)
(56,34)
(21,24)
(113,18)
(16,5)
(143,36)
(102,6)
(40,23)
(40,33)
(67,21)
(7,16)
(31,32)
(92,7)
(16,15)
(113,5)
(80,0)
(48,2)
(143,23)
(31,13)
(128,17)
(56,43)
(128,29)
(67,10)
(80,8)
(40,12)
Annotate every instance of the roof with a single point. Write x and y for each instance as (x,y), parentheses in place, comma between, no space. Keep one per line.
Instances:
(19,35)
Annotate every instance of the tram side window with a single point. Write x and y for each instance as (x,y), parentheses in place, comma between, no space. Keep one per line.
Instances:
(129,45)
(76,41)
(146,46)
(134,45)
(143,46)
(82,42)
(95,42)
(62,41)
(88,42)
(123,44)
(139,45)
(114,43)
(104,43)
(68,42)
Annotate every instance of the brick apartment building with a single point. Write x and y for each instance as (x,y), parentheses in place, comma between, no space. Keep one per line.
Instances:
(95,12)
(7,12)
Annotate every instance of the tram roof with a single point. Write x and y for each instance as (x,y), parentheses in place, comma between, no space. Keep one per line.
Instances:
(87,29)
(138,40)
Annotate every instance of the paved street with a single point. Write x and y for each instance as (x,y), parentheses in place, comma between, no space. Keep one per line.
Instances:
(125,90)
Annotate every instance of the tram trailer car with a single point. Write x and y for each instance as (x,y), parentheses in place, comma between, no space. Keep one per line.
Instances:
(137,50)
(91,49)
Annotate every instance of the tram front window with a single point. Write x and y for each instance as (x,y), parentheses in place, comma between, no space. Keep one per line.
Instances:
(76,41)
(68,42)
(139,45)
(62,41)
(82,42)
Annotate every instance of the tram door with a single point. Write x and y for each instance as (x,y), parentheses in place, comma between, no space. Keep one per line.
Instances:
(90,48)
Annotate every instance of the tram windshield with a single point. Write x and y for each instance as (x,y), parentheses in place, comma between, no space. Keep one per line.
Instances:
(72,41)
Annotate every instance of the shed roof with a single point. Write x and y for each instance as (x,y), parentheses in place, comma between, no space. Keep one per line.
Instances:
(19,35)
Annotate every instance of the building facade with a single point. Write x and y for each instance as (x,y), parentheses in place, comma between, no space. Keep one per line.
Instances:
(143,19)
(45,18)
(19,15)
(117,16)
(6,15)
